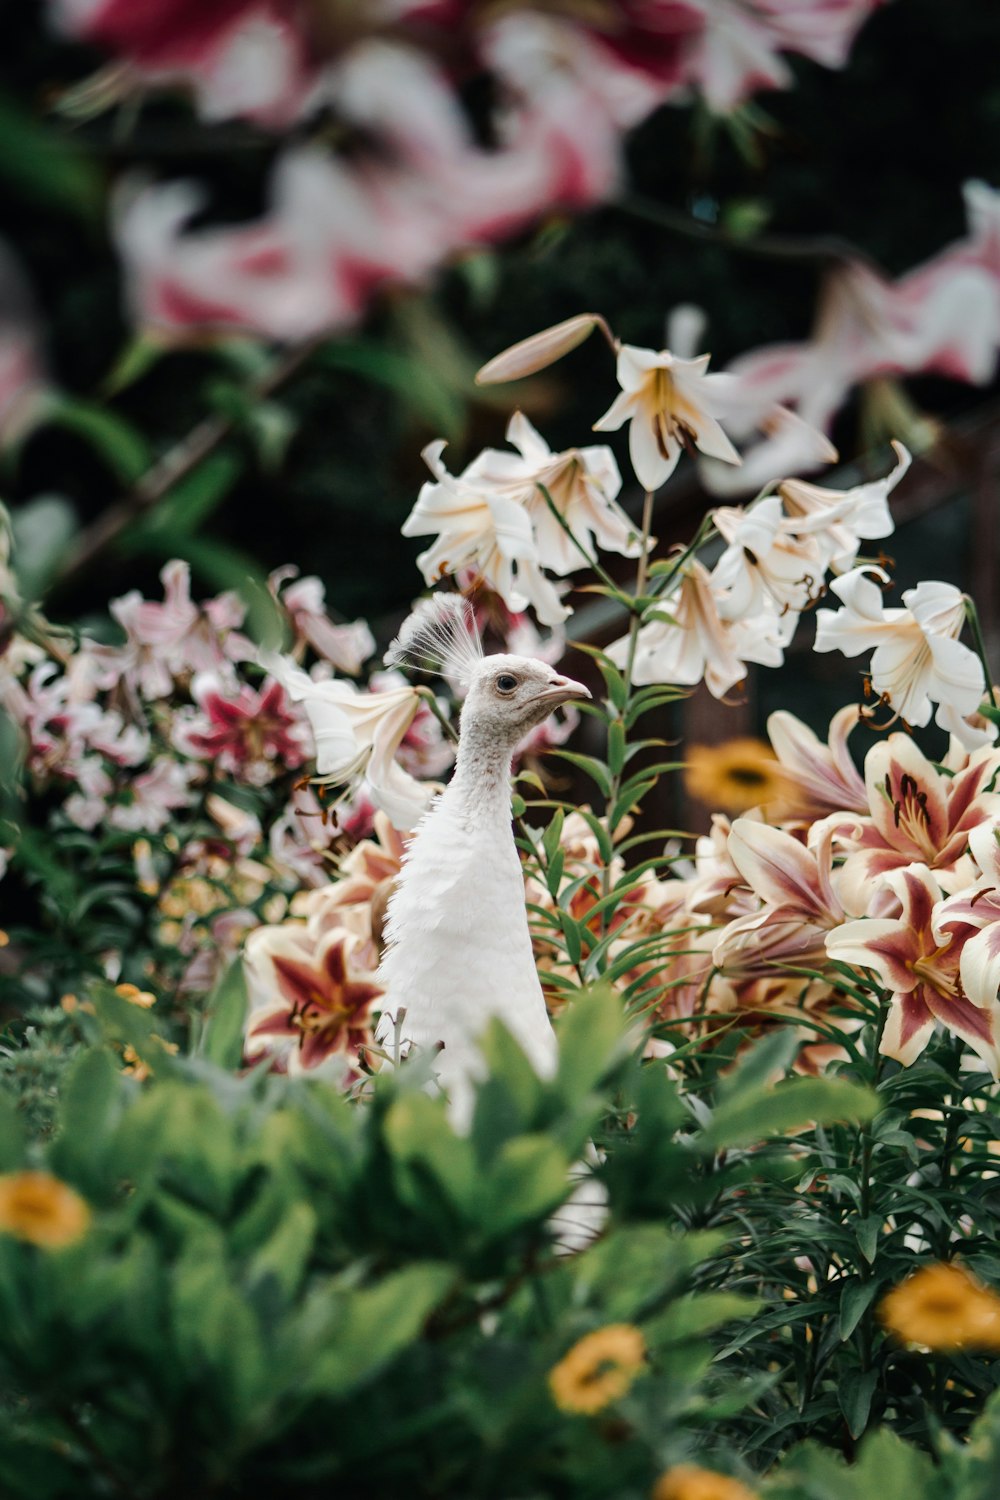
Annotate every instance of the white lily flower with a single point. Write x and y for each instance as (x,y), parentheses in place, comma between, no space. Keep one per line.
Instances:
(357,734)
(670,402)
(840,519)
(918,659)
(690,640)
(582,484)
(478,526)
(763,561)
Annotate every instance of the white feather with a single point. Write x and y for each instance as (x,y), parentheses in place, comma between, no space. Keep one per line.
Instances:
(439,636)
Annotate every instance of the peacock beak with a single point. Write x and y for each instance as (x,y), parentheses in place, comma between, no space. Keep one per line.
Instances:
(561,690)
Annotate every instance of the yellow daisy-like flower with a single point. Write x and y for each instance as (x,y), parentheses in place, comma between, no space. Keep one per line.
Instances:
(39,1209)
(133,993)
(689,1482)
(945,1308)
(734,776)
(599,1369)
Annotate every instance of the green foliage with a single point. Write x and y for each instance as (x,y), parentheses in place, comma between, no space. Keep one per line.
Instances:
(295,1291)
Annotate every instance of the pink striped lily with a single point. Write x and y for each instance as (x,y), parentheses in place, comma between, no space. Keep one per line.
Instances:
(921,972)
(798,901)
(978,906)
(917,814)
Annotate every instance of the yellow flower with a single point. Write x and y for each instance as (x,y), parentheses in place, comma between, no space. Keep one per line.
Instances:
(38,1208)
(4,938)
(137,996)
(734,776)
(943,1307)
(689,1482)
(599,1369)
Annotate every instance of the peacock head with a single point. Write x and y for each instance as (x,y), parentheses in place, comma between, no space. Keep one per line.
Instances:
(509,695)
(505,696)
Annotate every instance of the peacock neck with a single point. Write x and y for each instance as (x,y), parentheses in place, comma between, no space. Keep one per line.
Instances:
(480,787)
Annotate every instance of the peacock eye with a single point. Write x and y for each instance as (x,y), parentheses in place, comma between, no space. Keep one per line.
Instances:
(506,683)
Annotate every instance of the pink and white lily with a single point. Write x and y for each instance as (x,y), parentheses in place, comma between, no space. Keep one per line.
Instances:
(316,1005)
(978,907)
(916,814)
(346,646)
(921,971)
(798,903)
(823,778)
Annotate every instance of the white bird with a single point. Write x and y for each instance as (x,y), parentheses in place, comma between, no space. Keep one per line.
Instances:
(458,949)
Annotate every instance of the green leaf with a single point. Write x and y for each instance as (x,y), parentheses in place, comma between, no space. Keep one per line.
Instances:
(616,747)
(12,1135)
(225,1014)
(88,1115)
(868,1232)
(42,531)
(405,375)
(417,1132)
(761,1112)
(755,1068)
(122,446)
(185,507)
(595,769)
(592,1038)
(528,1179)
(285,1256)
(376,1325)
(855,1300)
(698,1314)
(854,1392)
(45,166)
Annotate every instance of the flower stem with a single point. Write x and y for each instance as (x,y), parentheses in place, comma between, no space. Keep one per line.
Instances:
(972,615)
(642,572)
(591,562)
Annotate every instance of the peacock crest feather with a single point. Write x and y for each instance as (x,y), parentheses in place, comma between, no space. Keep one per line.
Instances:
(439,636)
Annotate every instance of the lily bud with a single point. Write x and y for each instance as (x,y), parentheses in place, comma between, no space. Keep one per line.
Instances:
(540,350)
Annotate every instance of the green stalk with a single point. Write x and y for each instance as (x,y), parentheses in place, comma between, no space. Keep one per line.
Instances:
(642,572)
(972,615)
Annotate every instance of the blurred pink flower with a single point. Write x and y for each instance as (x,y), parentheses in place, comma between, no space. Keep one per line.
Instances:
(346,646)
(252,736)
(942,317)
(174,638)
(241,57)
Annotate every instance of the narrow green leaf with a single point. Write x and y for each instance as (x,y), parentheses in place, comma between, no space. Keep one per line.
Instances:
(855,1300)
(855,1392)
(225,1017)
